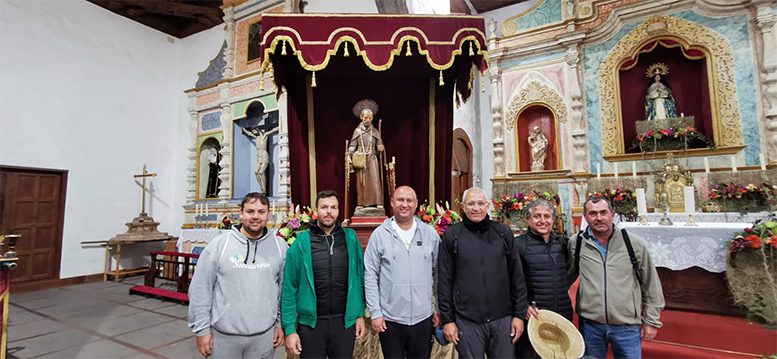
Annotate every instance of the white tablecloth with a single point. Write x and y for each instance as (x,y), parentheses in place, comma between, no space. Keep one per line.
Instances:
(680,247)
(709,217)
(199,236)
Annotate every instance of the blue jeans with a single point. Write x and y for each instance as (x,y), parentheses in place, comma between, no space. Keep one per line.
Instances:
(626,339)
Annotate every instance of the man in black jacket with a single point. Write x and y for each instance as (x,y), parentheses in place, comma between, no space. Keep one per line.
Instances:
(481,291)
(543,255)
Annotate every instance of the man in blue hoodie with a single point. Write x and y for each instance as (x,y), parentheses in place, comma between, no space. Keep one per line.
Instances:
(399,280)
(234,296)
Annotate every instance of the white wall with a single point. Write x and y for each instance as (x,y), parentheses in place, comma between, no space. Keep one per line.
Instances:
(98,95)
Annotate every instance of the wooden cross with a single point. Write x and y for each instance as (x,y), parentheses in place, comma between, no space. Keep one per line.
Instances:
(143,192)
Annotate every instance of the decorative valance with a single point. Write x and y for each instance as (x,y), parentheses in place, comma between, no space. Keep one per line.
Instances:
(690,52)
(313,39)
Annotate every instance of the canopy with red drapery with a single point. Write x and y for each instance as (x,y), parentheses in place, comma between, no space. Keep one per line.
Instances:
(410,65)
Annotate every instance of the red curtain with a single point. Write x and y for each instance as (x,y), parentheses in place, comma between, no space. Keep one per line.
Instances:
(687,77)
(401,86)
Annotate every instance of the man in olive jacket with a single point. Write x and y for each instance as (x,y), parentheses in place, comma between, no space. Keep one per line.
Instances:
(619,302)
(322,301)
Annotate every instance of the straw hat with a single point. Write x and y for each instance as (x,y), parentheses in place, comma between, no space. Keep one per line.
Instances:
(553,336)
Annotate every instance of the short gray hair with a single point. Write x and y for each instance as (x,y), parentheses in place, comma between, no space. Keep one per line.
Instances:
(597,199)
(466,192)
(541,203)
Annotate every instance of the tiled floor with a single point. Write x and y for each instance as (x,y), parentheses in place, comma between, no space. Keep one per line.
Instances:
(98,320)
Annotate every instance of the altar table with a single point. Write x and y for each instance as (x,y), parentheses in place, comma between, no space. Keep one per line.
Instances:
(691,261)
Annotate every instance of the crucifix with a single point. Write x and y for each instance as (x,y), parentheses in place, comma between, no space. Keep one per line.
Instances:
(143,192)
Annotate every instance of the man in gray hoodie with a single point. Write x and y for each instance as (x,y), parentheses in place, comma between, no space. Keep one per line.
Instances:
(399,278)
(234,296)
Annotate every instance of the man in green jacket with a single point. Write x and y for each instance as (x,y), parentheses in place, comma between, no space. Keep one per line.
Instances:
(322,300)
(619,302)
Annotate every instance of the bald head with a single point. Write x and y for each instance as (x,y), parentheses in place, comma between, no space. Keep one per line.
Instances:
(475,204)
(404,203)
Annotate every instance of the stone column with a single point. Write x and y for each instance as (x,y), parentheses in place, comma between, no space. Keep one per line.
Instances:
(579,136)
(284,179)
(495,75)
(765,20)
(229,52)
(226,146)
(191,155)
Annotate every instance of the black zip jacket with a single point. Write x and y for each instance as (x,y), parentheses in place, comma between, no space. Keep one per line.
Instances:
(477,282)
(545,269)
(329,255)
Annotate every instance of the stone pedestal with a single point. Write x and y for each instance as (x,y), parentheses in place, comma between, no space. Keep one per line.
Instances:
(364,227)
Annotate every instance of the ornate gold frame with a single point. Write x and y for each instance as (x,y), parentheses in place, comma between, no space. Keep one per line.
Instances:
(726,121)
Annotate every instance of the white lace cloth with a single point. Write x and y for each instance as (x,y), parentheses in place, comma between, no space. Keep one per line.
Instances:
(680,247)
(710,217)
(200,235)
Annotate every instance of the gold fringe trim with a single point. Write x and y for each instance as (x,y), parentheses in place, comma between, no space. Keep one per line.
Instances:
(269,50)
(313,80)
(441,80)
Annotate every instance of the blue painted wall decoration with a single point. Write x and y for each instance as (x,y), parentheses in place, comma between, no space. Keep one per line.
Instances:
(210,121)
(244,156)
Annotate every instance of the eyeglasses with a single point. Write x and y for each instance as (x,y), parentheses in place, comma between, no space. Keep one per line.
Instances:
(479,204)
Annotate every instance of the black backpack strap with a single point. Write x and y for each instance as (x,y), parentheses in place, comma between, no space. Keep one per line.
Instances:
(578,246)
(508,247)
(632,256)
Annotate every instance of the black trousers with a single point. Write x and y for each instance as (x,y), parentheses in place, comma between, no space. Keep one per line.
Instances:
(407,341)
(491,339)
(329,339)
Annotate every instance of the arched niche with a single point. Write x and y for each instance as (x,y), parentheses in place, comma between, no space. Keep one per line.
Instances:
(208,182)
(725,117)
(688,79)
(542,116)
(244,164)
(461,165)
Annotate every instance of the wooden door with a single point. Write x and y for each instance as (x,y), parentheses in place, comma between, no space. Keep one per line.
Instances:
(32,204)
(461,176)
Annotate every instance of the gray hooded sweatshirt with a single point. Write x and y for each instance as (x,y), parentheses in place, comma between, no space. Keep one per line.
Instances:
(236,284)
(399,281)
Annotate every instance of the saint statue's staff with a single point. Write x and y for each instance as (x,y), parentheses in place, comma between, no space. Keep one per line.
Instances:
(346,205)
(382,157)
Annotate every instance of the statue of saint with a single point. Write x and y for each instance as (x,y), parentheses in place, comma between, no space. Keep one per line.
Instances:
(539,146)
(262,156)
(659,102)
(212,189)
(365,150)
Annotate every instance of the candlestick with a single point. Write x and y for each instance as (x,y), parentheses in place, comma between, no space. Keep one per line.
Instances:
(598,170)
(615,169)
(762,161)
(733,163)
(706,165)
(634,169)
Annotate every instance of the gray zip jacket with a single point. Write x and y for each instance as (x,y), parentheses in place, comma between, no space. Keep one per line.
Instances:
(400,282)
(236,285)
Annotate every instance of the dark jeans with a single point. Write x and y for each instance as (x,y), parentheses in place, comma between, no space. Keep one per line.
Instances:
(329,338)
(490,338)
(407,341)
(523,348)
(626,339)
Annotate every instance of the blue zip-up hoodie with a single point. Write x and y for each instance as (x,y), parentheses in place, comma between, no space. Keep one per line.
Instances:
(399,281)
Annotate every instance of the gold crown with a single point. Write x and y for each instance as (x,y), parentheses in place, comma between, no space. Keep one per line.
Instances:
(659,68)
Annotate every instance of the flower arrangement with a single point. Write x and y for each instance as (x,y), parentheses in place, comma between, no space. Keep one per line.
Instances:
(298,220)
(438,217)
(623,201)
(513,207)
(743,198)
(752,268)
(671,138)
(229,220)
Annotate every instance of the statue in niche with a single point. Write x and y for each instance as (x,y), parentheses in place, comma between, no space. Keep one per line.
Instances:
(214,157)
(539,146)
(260,137)
(365,153)
(659,102)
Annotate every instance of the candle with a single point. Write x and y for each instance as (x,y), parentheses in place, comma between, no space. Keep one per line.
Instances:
(733,163)
(207,211)
(634,169)
(641,201)
(706,165)
(196,209)
(689,197)
(762,161)
(615,169)
(598,170)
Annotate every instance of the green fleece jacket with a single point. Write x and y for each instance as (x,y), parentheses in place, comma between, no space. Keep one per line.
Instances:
(298,296)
